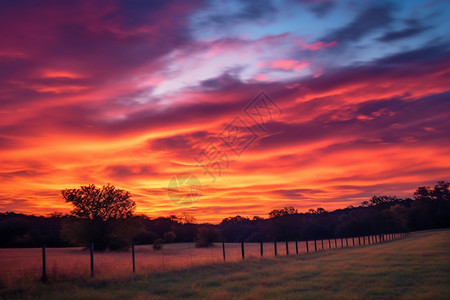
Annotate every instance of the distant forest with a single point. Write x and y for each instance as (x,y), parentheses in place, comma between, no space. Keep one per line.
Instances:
(428,209)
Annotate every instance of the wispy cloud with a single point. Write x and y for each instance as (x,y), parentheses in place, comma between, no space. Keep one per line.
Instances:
(130,93)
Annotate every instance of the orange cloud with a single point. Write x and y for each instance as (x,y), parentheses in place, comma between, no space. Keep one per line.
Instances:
(79,106)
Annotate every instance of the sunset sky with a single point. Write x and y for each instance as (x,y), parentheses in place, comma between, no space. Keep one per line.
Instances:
(131,92)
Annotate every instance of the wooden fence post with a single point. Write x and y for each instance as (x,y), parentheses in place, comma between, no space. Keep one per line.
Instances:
(353,241)
(307,246)
(275,247)
(335,243)
(92,259)
(329,244)
(346,242)
(322,245)
(44,265)
(296,247)
(287,248)
(342,243)
(223,249)
(242,249)
(133,257)
(315,246)
(261,248)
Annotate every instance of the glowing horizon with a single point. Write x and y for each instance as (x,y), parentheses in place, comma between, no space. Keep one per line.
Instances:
(130,94)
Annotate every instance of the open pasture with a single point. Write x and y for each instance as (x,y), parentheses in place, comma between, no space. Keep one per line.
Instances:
(417,267)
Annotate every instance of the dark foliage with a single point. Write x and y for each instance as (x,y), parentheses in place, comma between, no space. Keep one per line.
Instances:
(206,236)
(429,209)
(106,203)
(102,216)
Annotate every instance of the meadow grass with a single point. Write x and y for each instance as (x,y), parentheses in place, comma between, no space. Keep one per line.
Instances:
(417,267)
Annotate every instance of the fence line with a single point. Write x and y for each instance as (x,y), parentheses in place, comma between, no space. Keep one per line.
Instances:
(174,255)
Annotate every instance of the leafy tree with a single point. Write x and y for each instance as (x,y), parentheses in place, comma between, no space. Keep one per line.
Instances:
(365,203)
(235,228)
(236,219)
(183,218)
(432,206)
(102,216)
(377,200)
(283,212)
(439,193)
(107,203)
(430,209)
(318,211)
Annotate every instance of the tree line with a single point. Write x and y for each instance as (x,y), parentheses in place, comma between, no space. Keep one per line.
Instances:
(105,216)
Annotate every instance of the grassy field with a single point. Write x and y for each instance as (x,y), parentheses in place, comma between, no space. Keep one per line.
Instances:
(417,267)
(25,264)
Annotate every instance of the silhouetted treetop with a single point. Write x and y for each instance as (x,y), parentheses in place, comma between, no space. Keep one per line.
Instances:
(439,193)
(106,203)
(283,212)
(318,211)
(430,209)
(236,219)
(376,200)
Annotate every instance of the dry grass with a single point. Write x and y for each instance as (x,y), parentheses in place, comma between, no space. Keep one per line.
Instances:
(70,263)
(417,267)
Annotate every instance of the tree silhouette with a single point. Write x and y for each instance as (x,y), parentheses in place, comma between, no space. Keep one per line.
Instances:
(102,216)
(377,200)
(104,204)
(283,212)
(439,193)
(433,206)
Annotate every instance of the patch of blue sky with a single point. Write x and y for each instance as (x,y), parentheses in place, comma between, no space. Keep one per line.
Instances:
(286,17)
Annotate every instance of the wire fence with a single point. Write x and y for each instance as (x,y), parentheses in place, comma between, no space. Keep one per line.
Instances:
(66,263)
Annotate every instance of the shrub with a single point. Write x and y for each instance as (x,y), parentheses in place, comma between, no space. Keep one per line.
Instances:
(158,244)
(169,237)
(206,236)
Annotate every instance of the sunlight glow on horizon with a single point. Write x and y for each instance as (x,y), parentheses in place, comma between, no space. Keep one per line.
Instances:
(132,94)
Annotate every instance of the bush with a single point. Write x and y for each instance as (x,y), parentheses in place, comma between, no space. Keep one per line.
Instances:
(158,244)
(169,237)
(206,236)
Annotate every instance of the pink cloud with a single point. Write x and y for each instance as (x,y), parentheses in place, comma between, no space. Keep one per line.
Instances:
(260,77)
(285,64)
(317,45)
